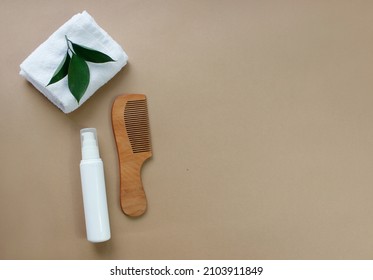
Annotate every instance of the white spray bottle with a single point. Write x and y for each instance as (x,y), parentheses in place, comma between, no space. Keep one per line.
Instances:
(93,187)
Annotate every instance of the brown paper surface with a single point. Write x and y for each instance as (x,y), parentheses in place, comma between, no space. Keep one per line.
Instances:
(261,123)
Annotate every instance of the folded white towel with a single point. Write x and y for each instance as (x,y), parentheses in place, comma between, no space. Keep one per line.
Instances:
(40,66)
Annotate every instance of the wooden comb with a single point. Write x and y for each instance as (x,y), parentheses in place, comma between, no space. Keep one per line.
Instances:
(131,131)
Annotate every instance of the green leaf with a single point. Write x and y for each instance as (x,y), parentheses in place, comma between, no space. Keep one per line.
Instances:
(78,77)
(90,55)
(61,70)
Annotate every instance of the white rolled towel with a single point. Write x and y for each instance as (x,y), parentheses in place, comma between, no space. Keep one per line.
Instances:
(42,64)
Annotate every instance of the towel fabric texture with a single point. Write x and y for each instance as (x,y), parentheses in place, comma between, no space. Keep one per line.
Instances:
(39,67)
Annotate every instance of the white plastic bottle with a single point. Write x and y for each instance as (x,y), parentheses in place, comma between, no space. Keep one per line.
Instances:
(93,187)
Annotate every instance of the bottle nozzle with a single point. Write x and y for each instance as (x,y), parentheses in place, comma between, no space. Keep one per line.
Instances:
(88,137)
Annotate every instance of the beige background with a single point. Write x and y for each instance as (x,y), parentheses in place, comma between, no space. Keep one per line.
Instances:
(261,120)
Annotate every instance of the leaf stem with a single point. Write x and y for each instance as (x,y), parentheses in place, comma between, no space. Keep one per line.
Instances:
(68,42)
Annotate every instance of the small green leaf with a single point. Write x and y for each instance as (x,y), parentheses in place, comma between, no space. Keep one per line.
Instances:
(90,55)
(78,77)
(61,70)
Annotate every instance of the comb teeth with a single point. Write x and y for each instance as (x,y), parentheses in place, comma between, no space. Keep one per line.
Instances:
(137,125)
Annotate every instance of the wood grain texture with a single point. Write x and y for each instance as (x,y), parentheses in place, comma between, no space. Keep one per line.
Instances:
(131,132)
